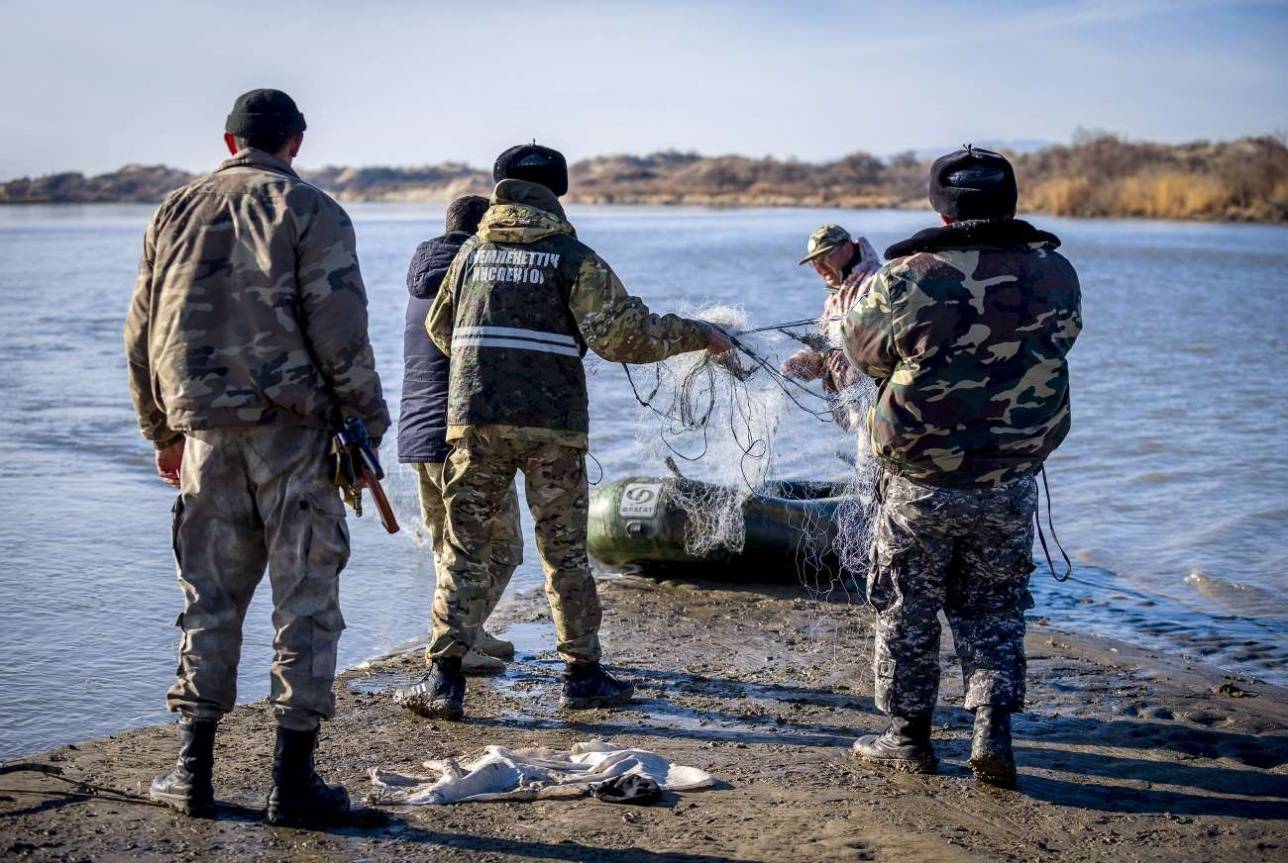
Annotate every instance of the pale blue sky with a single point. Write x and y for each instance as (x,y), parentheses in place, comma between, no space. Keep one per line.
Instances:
(93,85)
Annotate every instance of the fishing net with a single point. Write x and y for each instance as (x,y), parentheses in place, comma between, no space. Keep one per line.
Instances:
(734,426)
(716,421)
(731,427)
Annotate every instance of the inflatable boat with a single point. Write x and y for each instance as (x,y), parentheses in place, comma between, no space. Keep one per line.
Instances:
(642,524)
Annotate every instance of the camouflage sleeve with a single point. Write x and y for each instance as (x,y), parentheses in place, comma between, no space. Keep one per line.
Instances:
(868,333)
(1071,320)
(334,305)
(619,327)
(442,314)
(152,420)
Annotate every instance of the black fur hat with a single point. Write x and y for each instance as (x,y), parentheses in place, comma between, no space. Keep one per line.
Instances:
(534,163)
(973,183)
(261,112)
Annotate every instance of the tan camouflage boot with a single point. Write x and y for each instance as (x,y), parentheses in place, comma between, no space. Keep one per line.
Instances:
(493,646)
(478,664)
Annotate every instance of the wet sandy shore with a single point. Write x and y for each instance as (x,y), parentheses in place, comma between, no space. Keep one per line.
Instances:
(1124,755)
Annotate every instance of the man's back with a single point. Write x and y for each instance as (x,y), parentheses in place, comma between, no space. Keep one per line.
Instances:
(246,338)
(250,308)
(970,325)
(422,416)
(522,303)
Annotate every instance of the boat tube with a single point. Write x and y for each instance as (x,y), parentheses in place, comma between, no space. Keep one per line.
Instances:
(640,524)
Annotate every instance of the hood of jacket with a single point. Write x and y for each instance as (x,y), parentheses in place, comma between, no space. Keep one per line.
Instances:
(523,212)
(429,264)
(965,235)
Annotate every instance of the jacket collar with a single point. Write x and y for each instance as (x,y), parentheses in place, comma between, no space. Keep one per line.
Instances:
(249,157)
(964,235)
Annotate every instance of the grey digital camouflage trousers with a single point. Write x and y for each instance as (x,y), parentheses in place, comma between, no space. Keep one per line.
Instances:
(970,553)
(505,547)
(250,498)
(478,475)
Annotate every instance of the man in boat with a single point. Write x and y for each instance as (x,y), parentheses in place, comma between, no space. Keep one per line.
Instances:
(422,425)
(967,328)
(246,341)
(846,267)
(519,307)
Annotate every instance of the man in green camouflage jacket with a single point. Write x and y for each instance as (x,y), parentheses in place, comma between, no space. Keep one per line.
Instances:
(966,328)
(246,341)
(522,302)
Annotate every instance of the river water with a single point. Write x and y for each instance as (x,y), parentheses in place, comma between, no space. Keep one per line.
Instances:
(1170,491)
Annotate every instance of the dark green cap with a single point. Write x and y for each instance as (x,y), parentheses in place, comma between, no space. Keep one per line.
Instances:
(824,240)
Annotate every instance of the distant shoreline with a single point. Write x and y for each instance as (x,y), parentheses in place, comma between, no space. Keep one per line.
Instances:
(573,200)
(1245,180)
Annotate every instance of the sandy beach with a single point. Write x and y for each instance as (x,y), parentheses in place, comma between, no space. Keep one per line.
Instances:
(1123,755)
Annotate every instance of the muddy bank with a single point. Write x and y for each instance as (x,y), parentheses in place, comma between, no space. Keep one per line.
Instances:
(1124,755)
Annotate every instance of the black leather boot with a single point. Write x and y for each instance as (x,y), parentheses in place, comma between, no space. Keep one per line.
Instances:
(299,796)
(991,757)
(439,694)
(904,746)
(587,685)
(189,787)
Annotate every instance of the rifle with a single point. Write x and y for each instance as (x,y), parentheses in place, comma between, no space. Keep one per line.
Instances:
(357,467)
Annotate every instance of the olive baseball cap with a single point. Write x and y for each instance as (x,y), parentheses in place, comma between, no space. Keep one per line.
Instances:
(824,240)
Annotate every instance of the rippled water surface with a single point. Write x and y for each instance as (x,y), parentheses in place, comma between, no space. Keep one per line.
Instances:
(1170,491)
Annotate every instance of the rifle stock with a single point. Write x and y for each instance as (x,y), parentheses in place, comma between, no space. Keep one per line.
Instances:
(387,517)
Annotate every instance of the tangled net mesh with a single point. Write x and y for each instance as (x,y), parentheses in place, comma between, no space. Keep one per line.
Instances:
(731,427)
(725,425)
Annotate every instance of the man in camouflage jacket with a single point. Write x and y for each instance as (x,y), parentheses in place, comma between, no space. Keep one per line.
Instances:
(246,340)
(522,302)
(966,328)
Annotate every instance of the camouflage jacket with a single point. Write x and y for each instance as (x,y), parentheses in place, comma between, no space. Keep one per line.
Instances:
(967,328)
(249,308)
(525,299)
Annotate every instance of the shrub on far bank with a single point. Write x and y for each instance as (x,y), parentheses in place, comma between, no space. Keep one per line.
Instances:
(1102,175)
(1097,175)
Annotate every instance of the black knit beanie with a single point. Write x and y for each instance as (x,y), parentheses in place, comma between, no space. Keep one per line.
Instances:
(534,163)
(973,183)
(264,112)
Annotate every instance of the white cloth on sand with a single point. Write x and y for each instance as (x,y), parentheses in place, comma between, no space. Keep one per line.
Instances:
(498,773)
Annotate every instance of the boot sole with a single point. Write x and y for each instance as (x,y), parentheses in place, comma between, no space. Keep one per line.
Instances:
(591,703)
(452,713)
(924,767)
(277,818)
(185,806)
(993,771)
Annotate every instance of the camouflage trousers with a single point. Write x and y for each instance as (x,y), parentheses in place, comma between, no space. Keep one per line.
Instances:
(505,545)
(252,498)
(968,552)
(478,475)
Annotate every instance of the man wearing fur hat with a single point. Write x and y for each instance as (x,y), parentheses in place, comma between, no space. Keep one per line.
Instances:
(967,327)
(519,307)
